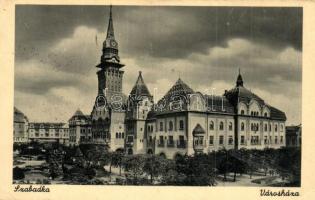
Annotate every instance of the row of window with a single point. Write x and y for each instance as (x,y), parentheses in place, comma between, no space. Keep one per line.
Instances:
(120,135)
(254,140)
(254,113)
(221,126)
(255,127)
(48,135)
(170,126)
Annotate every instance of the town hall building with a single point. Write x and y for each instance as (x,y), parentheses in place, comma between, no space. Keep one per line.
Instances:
(184,121)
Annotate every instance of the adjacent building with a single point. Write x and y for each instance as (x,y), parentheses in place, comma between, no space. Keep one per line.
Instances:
(79,128)
(48,132)
(20,127)
(293,136)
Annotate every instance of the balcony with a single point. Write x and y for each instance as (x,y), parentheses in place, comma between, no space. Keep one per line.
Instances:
(199,146)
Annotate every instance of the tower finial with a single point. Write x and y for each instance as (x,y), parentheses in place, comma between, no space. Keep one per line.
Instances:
(110,11)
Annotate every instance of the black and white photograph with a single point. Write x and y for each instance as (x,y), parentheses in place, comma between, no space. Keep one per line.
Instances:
(157,95)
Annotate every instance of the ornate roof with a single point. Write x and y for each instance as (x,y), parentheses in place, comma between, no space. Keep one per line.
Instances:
(180,91)
(241,94)
(140,88)
(198,130)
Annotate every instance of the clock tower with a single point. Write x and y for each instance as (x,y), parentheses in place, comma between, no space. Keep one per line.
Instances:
(107,116)
(110,74)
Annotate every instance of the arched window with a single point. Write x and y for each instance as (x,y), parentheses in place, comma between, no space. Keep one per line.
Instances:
(265,115)
(230,126)
(211,126)
(281,127)
(242,112)
(221,126)
(119,135)
(122,135)
(242,126)
(251,113)
(170,124)
(116,135)
(266,128)
(276,128)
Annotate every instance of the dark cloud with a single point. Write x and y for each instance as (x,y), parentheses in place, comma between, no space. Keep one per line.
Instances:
(160,31)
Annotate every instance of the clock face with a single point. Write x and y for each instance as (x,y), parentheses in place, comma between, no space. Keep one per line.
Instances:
(113,43)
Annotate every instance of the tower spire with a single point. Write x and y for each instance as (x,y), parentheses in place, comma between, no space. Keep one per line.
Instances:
(110,28)
(239,81)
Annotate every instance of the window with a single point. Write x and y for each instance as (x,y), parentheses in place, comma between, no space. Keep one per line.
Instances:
(276,128)
(265,115)
(170,140)
(122,135)
(281,139)
(221,139)
(276,139)
(270,139)
(119,135)
(242,112)
(170,126)
(181,125)
(230,126)
(281,127)
(161,126)
(242,139)
(116,135)
(230,140)
(266,128)
(211,126)
(266,140)
(254,140)
(221,126)
(242,126)
(211,140)
(198,140)
(161,139)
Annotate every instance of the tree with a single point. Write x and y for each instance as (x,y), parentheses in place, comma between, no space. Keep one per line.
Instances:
(134,164)
(18,173)
(155,166)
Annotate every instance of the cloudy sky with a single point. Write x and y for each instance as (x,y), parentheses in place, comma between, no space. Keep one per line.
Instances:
(56,52)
